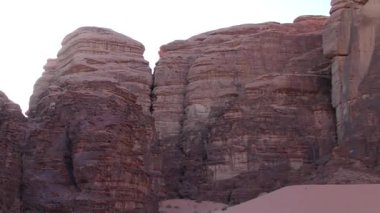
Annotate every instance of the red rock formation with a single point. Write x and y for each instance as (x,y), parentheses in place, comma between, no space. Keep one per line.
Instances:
(12,126)
(238,112)
(90,129)
(352,40)
(243,110)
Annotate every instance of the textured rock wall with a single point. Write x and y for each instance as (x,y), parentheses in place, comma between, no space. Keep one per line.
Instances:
(243,110)
(12,129)
(237,112)
(352,41)
(88,146)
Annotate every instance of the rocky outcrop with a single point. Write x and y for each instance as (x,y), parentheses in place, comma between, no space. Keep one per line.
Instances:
(352,41)
(243,110)
(95,54)
(12,127)
(88,147)
(228,115)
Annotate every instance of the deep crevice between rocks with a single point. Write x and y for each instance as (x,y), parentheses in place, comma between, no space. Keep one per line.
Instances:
(68,159)
(152,96)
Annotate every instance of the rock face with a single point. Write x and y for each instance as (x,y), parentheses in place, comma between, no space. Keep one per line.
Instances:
(12,127)
(243,110)
(227,115)
(352,40)
(88,146)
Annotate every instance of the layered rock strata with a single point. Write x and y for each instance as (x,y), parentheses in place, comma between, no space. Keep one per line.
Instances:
(237,112)
(243,110)
(88,146)
(12,129)
(352,41)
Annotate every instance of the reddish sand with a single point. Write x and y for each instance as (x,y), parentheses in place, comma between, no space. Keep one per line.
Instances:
(315,199)
(189,206)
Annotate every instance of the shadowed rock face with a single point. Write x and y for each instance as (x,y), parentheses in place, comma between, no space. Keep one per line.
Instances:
(243,110)
(12,129)
(88,148)
(352,40)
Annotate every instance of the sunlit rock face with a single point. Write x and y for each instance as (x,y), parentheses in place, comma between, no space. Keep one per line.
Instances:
(243,110)
(352,41)
(89,143)
(12,133)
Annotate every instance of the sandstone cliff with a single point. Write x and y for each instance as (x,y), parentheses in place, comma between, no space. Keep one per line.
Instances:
(243,110)
(352,41)
(227,115)
(90,130)
(12,128)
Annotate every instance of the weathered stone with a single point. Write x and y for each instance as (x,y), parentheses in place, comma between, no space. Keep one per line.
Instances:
(243,110)
(238,112)
(356,75)
(336,35)
(90,131)
(12,133)
(96,54)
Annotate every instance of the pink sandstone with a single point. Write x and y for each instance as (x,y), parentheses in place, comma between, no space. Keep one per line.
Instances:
(243,110)
(228,115)
(352,40)
(315,199)
(90,136)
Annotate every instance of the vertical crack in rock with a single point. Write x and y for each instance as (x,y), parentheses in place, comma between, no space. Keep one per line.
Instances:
(152,99)
(183,148)
(68,158)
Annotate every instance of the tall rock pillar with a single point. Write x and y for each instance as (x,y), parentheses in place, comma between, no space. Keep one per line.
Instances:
(90,128)
(12,126)
(352,40)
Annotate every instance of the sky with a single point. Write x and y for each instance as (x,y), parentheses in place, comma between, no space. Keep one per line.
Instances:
(32,31)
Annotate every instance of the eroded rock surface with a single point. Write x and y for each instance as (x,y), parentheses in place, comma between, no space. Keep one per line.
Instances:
(88,147)
(97,55)
(243,110)
(237,112)
(352,40)
(12,129)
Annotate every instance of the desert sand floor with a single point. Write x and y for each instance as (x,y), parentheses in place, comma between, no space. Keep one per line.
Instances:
(293,199)
(315,199)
